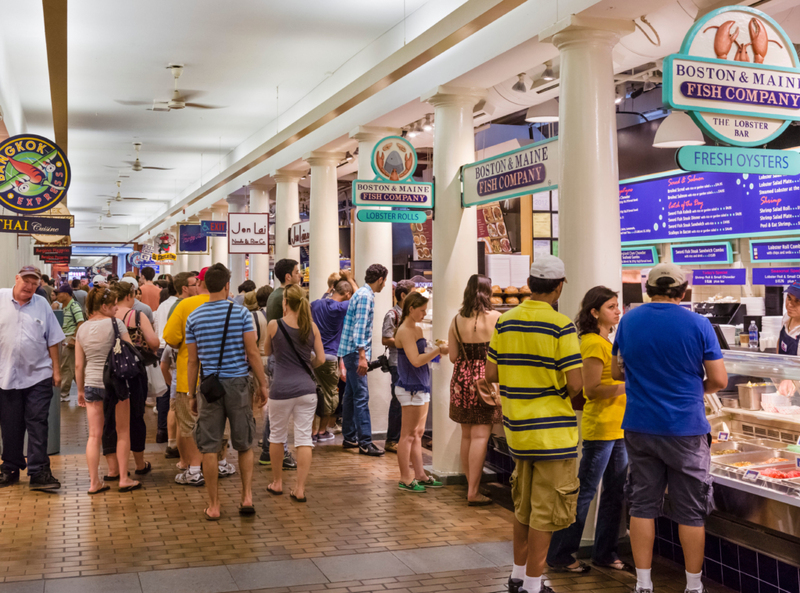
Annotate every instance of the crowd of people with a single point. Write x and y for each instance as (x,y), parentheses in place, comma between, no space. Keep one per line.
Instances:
(210,361)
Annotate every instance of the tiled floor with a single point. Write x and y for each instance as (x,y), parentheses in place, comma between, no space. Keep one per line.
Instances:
(357,533)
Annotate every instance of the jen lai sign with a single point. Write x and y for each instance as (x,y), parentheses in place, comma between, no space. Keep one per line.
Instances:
(248,232)
(524,171)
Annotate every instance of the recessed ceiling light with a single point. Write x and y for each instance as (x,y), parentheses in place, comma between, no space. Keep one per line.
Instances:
(519,86)
(548,73)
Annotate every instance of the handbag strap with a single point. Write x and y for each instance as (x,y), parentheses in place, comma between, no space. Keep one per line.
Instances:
(458,338)
(224,337)
(303,363)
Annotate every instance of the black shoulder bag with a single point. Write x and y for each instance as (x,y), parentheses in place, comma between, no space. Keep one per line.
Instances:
(306,366)
(210,386)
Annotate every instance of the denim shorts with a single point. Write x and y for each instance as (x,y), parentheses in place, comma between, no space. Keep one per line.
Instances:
(94,394)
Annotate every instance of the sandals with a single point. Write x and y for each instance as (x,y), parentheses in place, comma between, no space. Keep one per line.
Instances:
(112,478)
(102,488)
(131,488)
(209,517)
(146,470)
(580,569)
(274,492)
(298,499)
(247,510)
(481,501)
(616,565)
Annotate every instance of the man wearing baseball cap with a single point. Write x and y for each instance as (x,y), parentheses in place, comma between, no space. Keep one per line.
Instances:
(137,304)
(30,336)
(73,319)
(535,357)
(663,352)
(99,281)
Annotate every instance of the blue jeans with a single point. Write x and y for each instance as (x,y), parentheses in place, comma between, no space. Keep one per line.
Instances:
(395,412)
(606,460)
(356,425)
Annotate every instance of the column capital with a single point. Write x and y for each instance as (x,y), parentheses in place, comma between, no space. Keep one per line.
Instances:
(319,157)
(588,30)
(453,95)
(236,200)
(265,187)
(372,133)
(286,176)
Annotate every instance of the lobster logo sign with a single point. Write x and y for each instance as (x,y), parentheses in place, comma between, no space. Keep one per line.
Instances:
(394,159)
(738,76)
(34,174)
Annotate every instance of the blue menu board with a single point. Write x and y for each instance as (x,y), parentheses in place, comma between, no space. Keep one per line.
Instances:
(775,250)
(705,253)
(639,256)
(732,276)
(191,239)
(707,206)
(776,276)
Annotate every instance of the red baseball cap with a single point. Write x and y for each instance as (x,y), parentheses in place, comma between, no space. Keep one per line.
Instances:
(202,275)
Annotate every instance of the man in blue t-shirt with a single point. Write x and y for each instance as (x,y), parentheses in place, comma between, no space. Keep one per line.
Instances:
(328,314)
(231,362)
(663,352)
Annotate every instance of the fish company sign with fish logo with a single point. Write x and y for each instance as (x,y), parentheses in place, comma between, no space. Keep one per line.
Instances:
(394,161)
(521,172)
(34,174)
(737,75)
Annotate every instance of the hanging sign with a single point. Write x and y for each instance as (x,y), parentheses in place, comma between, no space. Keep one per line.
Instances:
(776,276)
(639,257)
(393,216)
(521,172)
(707,253)
(34,174)
(299,234)
(165,241)
(724,159)
(775,250)
(34,225)
(730,276)
(738,76)
(248,232)
(134,258)
(42,250)
(164,258)
(191,239)
(394,161)
(214,228)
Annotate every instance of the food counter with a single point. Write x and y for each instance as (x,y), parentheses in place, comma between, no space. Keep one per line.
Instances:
(755,471)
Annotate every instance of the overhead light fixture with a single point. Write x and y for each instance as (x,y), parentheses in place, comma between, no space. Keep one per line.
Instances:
(677,130)
(348,157)
(620,94)
(427,126)
(649,85)
(546,112)
(519,86)
(548,73)
(415,130)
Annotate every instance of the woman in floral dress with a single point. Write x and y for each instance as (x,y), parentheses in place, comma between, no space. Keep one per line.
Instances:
(469,336)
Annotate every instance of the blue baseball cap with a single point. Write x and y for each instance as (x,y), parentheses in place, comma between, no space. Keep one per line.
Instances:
(794,290)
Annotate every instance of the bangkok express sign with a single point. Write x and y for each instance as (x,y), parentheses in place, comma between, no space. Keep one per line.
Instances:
(527,170)
(34,174)
(738,76)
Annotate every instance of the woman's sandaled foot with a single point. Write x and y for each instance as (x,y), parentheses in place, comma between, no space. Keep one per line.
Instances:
(274,491)
(479,501)
(100,489)
(145,470)
(210,517)
(297,498)
(616,565)
(577,567)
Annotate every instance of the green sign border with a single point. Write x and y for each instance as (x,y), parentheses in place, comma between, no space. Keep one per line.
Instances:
(651,247)
(405,141)
(418,213)
(794,160)
(381,180)
(728,260)
(768,261)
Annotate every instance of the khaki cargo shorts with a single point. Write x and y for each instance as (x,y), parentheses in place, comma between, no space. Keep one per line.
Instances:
(545,493)
(328,379)
(183,413)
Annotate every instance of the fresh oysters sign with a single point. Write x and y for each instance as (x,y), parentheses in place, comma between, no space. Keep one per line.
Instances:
(738,76)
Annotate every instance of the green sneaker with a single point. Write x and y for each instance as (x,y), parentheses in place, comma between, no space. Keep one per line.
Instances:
(264,459)
(431,483)
(414,486)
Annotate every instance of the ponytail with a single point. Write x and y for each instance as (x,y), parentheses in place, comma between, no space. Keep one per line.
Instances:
(413,301)
(295,298)
(98,297)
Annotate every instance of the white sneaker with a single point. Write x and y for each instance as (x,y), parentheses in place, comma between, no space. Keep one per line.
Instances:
(226,470)
(186,478)
(155,411)
(64,398)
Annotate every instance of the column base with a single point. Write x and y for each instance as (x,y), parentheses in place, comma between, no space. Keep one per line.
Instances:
(457,478)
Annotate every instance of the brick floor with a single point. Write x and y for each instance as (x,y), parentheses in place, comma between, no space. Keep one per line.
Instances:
(354,507)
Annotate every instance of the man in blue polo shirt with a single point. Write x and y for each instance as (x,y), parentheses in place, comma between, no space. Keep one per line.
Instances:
(29,368)
(669,358)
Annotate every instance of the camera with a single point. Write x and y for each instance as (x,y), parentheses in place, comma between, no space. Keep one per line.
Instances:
(382,363)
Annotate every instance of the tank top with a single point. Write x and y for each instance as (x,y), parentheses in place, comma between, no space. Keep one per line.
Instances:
(290,379)
(413,378)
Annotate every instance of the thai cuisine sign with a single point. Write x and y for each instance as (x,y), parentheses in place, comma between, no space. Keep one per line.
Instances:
(524,171)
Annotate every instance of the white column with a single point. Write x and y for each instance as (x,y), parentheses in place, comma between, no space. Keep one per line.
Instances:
(206,259)
(219,245)
(182,263)
(287,212)
(455,251)
(8,264)
(236,260)
(373,245)
(259,263)
(323,254)
(589,235)
(194,260)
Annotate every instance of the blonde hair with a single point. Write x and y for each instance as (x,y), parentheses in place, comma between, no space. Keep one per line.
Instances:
(295,298)
(124,290)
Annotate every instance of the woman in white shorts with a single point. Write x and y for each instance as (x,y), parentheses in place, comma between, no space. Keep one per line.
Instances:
(296,345)
(413,391)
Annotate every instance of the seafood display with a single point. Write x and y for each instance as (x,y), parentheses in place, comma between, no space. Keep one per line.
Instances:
(724,452)
(492,230)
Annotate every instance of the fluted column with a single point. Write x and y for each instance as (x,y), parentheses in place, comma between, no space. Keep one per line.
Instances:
(323,253)
(259,263)
(236,261)
(287,212)
(455,250)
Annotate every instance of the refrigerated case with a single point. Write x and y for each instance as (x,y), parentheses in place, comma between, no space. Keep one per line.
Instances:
(751,486)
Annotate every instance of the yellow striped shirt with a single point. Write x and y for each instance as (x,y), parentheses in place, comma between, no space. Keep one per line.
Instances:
(533,347)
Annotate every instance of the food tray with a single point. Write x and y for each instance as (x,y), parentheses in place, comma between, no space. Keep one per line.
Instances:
(757,458)
(741,447)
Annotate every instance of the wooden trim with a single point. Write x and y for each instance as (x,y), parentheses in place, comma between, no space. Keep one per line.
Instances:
(55,33)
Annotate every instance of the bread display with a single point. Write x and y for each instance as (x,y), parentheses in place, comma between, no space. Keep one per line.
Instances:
(524,298)
(496,289)
(512,301)
(511,290)
(525,290)
(495,300)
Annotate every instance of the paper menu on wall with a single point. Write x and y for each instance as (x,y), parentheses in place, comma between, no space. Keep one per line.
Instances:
(520,270)
(541,201)
(508,270)
(555,225)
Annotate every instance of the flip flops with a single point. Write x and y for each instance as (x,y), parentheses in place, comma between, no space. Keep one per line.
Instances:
(131,488)
(209,517)
(112,478)
(146,470)
(247,510)
(274,492)
(102,488)
(298,499)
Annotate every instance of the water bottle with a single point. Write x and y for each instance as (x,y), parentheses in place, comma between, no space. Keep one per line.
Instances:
(753,331)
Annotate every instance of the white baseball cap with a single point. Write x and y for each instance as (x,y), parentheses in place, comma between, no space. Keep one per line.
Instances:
(666,270)
(98,279)
(548,267)
(130,280)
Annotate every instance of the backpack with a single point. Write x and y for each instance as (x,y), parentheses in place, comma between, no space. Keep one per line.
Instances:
(124,370)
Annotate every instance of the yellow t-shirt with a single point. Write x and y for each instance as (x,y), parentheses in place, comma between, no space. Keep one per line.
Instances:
(175,333)
(602,419)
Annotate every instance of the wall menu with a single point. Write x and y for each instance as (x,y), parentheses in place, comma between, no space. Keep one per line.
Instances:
(775,250)
(709,253)
(707,277)
(708,205)
(642,256)
(776,276)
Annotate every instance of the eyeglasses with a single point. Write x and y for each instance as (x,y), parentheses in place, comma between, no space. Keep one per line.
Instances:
(31,283)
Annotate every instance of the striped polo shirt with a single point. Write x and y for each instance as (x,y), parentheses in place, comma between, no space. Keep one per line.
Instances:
(533,347)
(204,327)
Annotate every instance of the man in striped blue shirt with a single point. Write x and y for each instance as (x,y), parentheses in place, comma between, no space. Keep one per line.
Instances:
(205,332)
(355,350)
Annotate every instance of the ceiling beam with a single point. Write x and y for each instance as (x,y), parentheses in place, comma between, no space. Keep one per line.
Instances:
(55,32)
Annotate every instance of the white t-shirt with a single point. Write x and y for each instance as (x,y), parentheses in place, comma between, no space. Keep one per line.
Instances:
(96,338)
(161,316)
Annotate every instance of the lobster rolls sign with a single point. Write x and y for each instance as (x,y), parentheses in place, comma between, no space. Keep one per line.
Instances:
(394,161)
(738,76)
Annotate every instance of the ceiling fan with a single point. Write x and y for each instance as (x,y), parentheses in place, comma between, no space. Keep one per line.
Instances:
(137,164)
(108,211)
(179,98)
(119,197)
(101,226)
